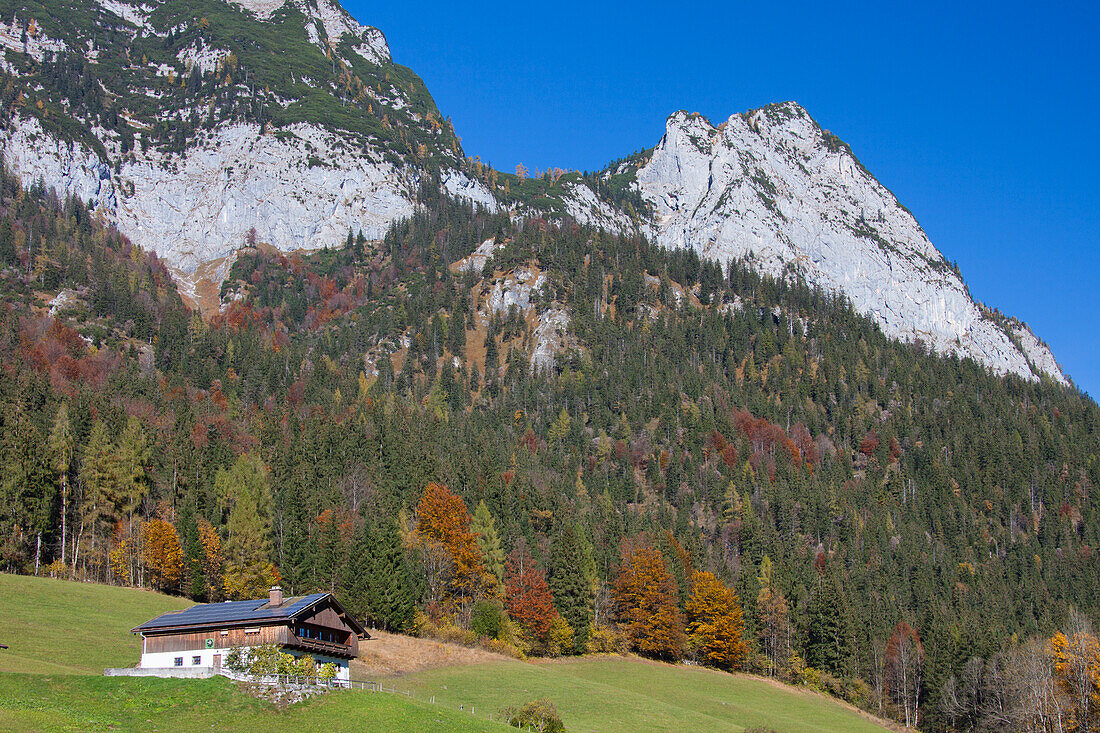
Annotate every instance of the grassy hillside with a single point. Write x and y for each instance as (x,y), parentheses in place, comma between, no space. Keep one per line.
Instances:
(621,694)
(62,634)
(57,626)
(85,703)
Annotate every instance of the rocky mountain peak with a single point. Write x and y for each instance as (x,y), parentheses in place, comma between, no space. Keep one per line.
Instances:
(773,187)
(181,129)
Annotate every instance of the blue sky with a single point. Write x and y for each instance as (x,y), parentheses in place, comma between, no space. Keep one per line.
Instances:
(981,117)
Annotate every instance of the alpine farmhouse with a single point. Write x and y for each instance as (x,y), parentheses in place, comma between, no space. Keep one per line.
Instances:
(200,637)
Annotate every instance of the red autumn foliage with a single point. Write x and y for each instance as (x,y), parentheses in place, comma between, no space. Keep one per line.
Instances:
(869,444)
(527,594)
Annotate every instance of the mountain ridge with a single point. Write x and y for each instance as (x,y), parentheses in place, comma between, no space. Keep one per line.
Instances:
(299,154)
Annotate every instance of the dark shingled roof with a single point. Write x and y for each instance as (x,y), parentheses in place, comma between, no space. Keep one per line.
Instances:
(232,612)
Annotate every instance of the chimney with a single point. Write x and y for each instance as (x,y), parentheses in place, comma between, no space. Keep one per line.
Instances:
(275,596)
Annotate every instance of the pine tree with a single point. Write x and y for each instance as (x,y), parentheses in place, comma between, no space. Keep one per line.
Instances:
(571,587)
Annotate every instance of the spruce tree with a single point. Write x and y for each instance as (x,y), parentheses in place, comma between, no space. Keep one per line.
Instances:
(569,584)
(829,637)
(385,587)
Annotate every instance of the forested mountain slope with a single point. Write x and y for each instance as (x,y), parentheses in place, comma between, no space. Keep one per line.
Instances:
(196,127)
(600,394)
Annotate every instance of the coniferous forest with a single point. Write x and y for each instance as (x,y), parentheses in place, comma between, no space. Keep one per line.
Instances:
(715,466)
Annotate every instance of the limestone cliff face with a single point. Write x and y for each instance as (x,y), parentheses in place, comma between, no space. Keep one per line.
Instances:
(299,186)
(188,138)
(773,187)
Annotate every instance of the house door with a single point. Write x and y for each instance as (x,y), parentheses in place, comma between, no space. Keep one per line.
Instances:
(217,662)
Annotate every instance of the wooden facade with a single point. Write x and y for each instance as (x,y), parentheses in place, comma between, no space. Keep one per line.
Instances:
(315,625)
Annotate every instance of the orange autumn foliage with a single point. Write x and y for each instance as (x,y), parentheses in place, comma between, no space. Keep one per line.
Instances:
(1076,658)
(442,518)
(645,603)
(715,622)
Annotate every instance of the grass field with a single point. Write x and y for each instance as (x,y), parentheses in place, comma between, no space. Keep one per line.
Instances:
(62,635)
(57,626)
(85,703)
(621,694)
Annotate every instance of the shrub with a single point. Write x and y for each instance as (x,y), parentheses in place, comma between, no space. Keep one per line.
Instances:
(237,659)
(605,640)
(327,672)
(498,646)
(487,618)
(265,659)
(560,638)
(58,569)
(538,715)
(305,667)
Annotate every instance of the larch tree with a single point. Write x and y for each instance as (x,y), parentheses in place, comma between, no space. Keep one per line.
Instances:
(132,460)
(98,480)
(716,624)
(245,488)
(645,596)
(903,659)
(488,541)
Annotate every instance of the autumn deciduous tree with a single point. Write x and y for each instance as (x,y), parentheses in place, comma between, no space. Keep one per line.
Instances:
(715,622)
(645,603)
(903,659)
(773,620)
(212,561)
(527,595)
(161,553)
(1076,657)
(442,519)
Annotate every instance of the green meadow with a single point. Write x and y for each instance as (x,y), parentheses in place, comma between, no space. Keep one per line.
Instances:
(61,635)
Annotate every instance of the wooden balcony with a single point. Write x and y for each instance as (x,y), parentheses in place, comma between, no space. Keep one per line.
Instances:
(330,648)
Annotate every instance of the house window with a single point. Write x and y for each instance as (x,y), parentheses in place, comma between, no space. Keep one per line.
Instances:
(196,660)
(179,661)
